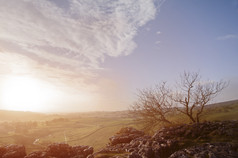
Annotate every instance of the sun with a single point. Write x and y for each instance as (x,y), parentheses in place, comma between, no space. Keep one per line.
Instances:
(25,94)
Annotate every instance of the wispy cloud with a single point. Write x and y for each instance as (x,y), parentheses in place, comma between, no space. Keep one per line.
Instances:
(65,41)
(78,34)
(228,37)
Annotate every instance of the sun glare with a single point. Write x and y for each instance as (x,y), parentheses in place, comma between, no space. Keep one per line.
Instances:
(26,94)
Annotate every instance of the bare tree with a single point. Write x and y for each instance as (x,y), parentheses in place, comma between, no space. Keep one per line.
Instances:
(193,95)
(153,106)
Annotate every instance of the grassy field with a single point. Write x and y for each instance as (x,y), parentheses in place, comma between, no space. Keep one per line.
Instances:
(36,130)
(222,111)
(92,129)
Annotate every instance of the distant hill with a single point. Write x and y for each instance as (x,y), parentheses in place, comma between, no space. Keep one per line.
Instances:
(226,103)
(221,111)
(213,112)
(6,115)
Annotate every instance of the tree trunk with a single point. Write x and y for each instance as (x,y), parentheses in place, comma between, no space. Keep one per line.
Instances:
(197,118)
(191,118)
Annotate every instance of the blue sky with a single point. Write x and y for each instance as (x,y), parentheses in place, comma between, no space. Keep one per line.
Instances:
(197,35)
(96,54)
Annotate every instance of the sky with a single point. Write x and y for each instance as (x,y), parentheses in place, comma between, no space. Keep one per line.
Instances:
(94,55)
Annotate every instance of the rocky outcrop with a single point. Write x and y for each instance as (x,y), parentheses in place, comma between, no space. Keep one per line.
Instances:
(62,150)
(208,140)
(177,141)
(56,150)
(125,135)
(12,151)
(137,144)
(208,150)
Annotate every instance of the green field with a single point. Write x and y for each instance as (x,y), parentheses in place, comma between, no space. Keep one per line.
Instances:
(36,131)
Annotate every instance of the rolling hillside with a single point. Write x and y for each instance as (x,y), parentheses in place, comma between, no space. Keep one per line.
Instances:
(36,130)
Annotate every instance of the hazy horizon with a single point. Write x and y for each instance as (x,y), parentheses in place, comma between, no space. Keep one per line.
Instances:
(61,56)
